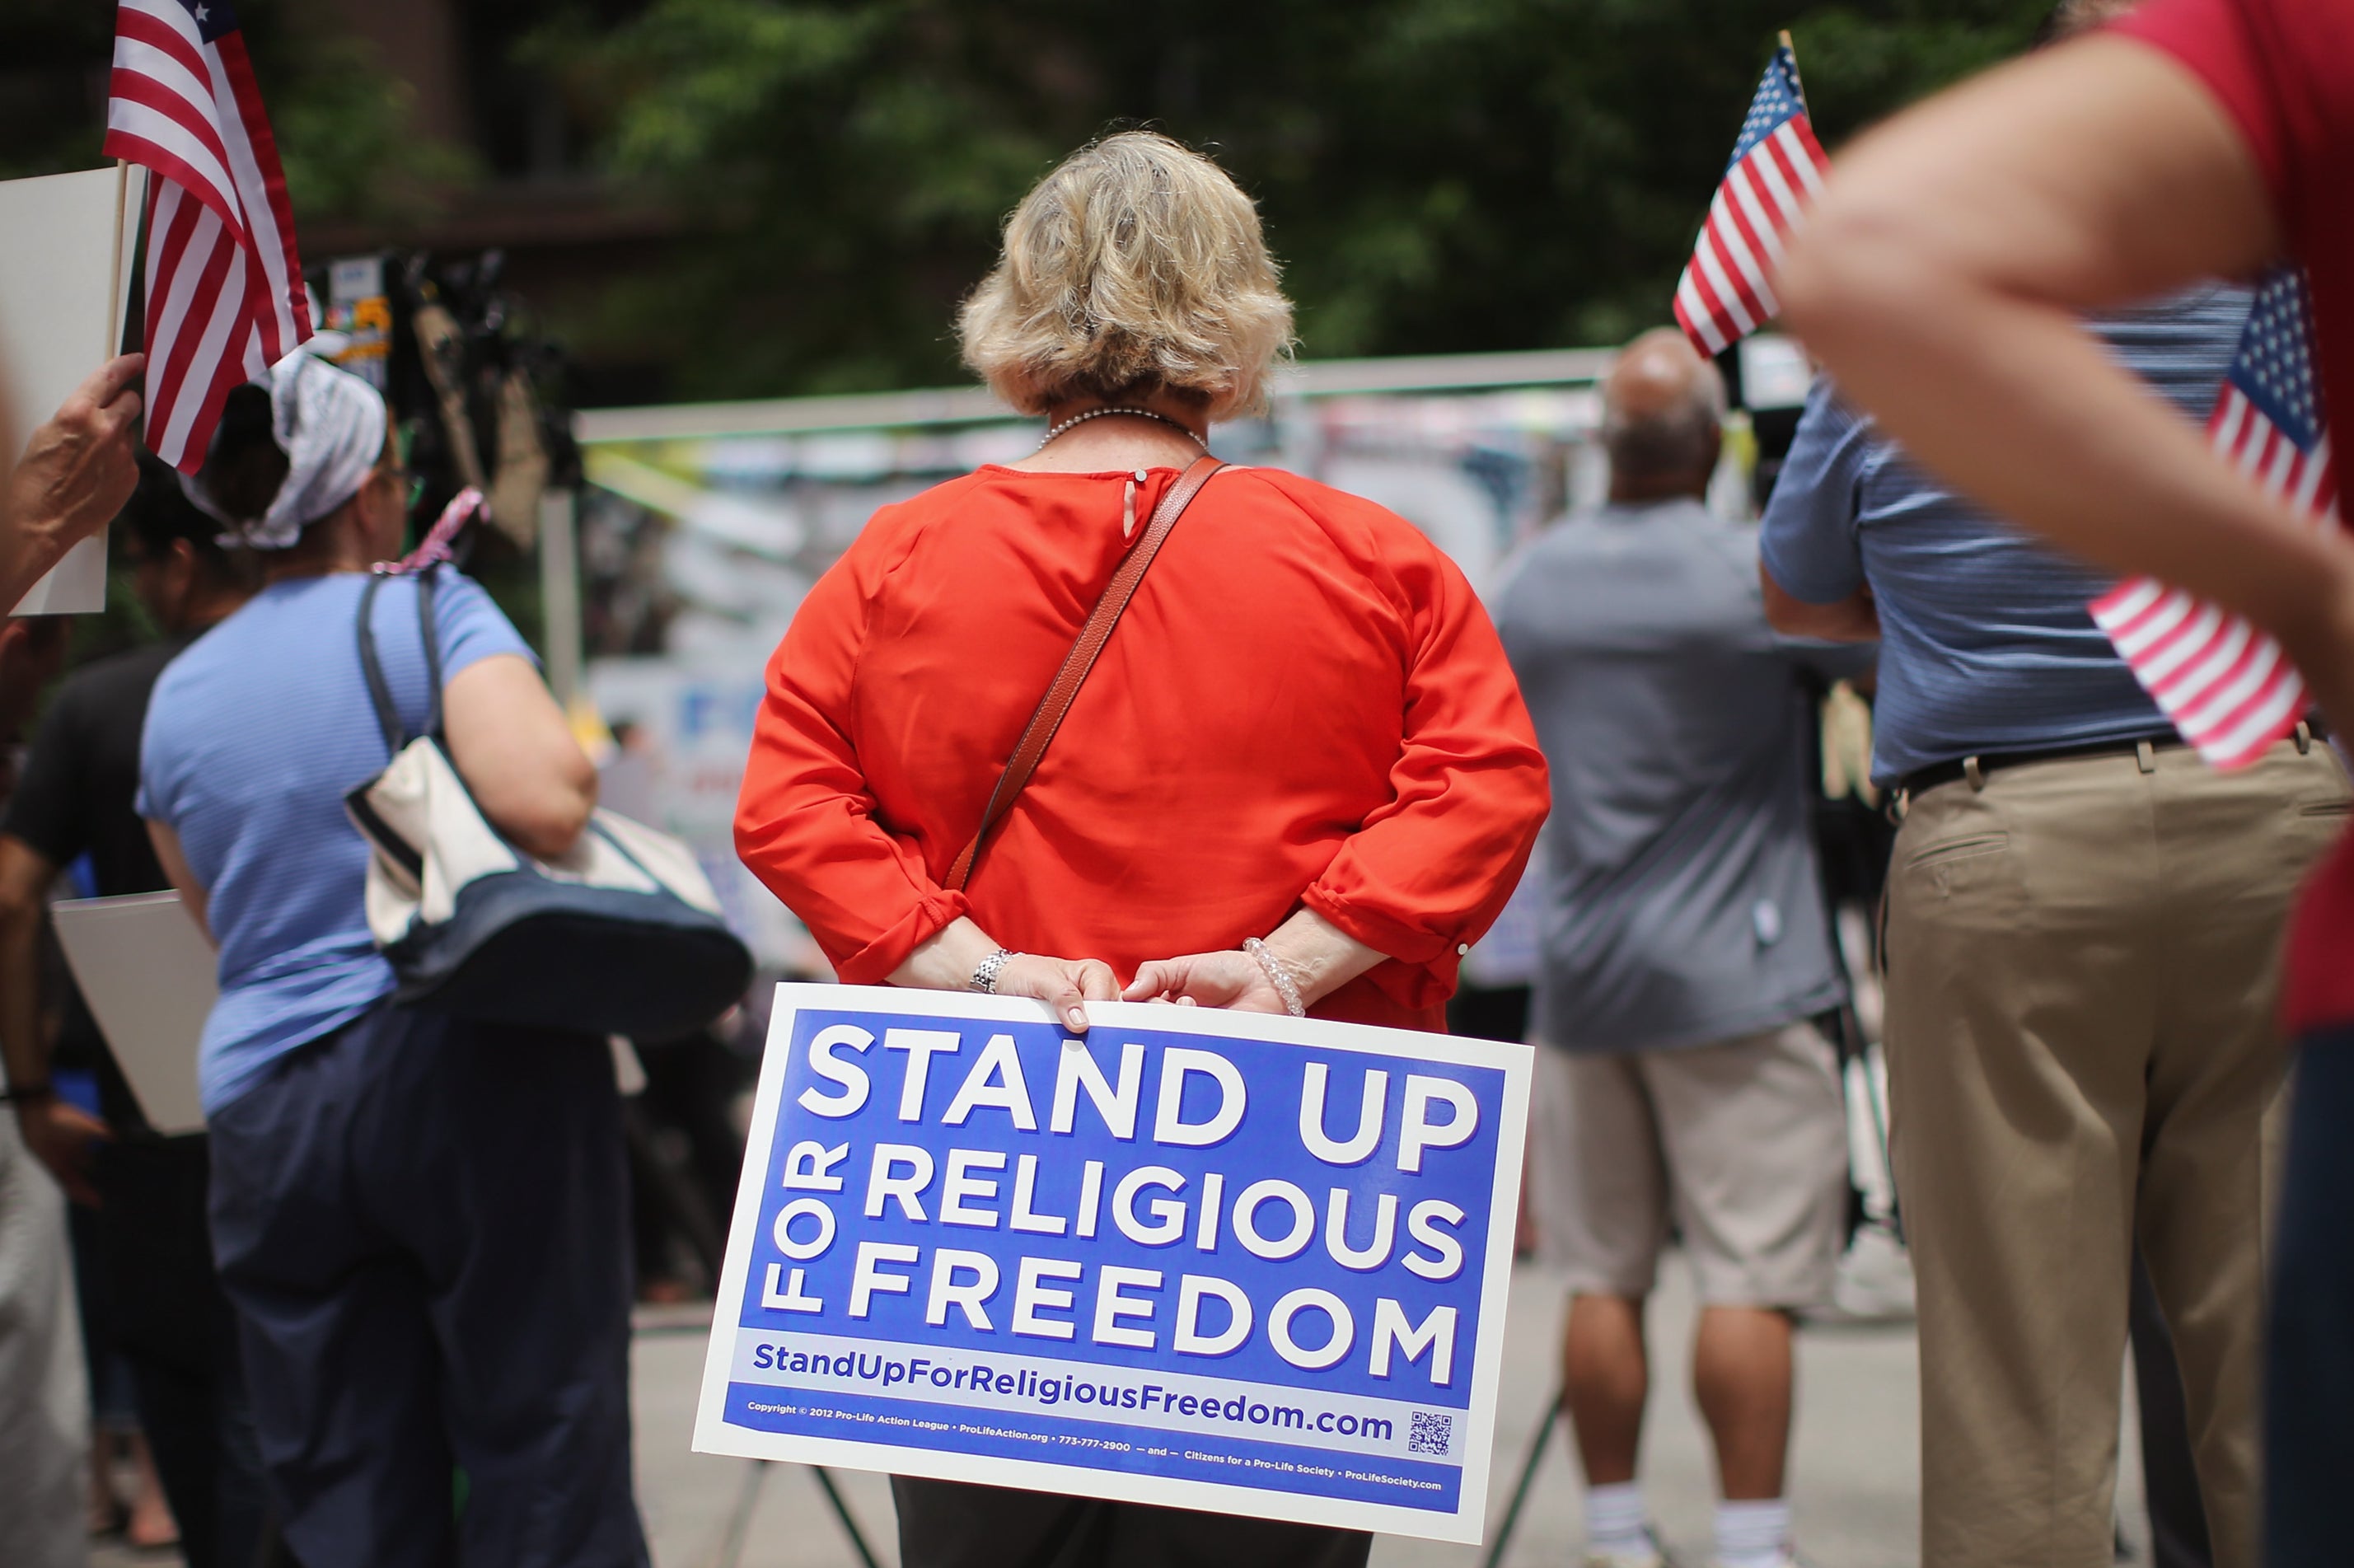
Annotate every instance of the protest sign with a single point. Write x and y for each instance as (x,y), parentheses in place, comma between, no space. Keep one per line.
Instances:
(1198,1258)
(65,278)
(146,969)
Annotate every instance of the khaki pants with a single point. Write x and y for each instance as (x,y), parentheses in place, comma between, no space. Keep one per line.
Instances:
(2081,971)
(1740,1146)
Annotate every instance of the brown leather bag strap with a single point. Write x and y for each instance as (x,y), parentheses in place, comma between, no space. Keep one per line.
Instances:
(1080,660)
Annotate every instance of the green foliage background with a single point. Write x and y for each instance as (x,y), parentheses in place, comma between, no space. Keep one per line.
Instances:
(342,120)
(1437,175)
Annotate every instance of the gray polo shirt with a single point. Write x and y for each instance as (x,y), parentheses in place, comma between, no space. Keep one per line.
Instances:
(1680,902)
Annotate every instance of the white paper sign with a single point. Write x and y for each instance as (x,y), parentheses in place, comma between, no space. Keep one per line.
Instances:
(1202,1260)
(148,974)
(56,326)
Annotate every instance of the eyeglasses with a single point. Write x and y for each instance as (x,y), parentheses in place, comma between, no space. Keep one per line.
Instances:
(406,479)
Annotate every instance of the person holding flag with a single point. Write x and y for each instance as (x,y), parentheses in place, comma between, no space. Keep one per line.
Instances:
(74,473)
(224,284)
(2049,1033)
(1727,288)
(2194,137)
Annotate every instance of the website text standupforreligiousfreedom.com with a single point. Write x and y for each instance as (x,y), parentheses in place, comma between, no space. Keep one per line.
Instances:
(1068,1390)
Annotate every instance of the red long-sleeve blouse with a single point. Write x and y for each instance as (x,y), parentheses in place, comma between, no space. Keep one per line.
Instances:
(1304,704)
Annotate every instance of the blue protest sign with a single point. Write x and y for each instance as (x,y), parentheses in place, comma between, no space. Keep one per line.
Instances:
(1206,1259)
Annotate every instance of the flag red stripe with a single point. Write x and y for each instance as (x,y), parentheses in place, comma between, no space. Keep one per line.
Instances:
(225,295)
(1723,282)
(2263,652)
(1757,292)
(2165,660)
(163,161)
(130,87)
(2127,628)
(1803,127)
(202,397)
(2195,684)
(1742,186)
(1788,186)
(183,366)
(141,27)
(1710,301)
(295,312)
(171,220)
(228,376)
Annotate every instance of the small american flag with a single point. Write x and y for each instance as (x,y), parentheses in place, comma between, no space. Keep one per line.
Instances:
(1778,168)
(2226,685)
(224,296)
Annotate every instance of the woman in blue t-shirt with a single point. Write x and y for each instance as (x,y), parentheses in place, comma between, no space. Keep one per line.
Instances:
(419,1218)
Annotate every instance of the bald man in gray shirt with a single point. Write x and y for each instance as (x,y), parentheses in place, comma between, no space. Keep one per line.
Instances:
(1685,952)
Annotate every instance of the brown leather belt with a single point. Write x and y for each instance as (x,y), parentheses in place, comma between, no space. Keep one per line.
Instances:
(1938,773)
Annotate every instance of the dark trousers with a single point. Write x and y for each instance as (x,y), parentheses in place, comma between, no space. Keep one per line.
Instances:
(422,1224)
(2309,1382)
(948,1524)
(175,1328)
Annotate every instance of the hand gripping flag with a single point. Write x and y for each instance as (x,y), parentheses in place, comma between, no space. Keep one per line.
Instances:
(1778,168)
(224,296)
(2226,685)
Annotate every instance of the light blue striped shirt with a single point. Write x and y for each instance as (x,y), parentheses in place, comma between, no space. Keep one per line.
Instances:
(1986,643)
(253,737)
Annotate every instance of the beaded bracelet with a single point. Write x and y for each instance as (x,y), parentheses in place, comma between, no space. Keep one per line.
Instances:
(1285,986)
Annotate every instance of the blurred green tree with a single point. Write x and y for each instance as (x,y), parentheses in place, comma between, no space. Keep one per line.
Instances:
(1437,175)
(342,119)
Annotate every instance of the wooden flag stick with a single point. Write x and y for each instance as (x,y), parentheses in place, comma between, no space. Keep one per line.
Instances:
(114,280)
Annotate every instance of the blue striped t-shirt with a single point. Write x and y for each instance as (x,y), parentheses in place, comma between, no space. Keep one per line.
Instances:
(254,738)
(1986,643)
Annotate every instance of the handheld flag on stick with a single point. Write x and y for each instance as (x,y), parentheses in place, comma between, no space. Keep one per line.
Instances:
(2226,685)
(224,296)
(1778,168)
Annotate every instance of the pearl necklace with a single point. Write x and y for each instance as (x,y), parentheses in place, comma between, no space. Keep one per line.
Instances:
(1078,419)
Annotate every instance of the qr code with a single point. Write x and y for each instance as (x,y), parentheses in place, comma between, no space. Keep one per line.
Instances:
(1432,1433)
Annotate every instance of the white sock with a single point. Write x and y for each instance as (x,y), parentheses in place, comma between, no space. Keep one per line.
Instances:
(1615,1520)
(1752,1534)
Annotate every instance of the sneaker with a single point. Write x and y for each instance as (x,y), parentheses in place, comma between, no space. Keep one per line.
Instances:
(1874,1283)
(1788,1559)
(1653,1556)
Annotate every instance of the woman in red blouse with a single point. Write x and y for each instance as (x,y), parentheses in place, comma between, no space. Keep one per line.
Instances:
(1302,729)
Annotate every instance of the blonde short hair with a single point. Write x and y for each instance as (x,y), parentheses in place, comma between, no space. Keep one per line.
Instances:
(1136,265)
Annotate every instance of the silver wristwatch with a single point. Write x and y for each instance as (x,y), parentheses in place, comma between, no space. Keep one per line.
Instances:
(984,975)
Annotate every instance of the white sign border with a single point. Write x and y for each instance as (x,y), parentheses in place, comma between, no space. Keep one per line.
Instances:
(1467,1525)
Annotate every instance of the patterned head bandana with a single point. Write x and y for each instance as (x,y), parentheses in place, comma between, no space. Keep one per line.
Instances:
(329,424)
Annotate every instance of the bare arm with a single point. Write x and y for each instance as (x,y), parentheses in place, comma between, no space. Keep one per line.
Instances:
(1854,618)
(1318,955)
(947,958)
(1939,277)
(59,1134)
(24,877)
(74,474)
(516,754)
(174,861)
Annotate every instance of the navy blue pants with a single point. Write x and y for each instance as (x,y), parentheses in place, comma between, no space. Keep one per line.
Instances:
(422,1222)
(2309,1382)
(155,1253)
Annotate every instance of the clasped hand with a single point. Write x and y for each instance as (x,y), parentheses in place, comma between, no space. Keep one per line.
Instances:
(1232,981)
(1317,955)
